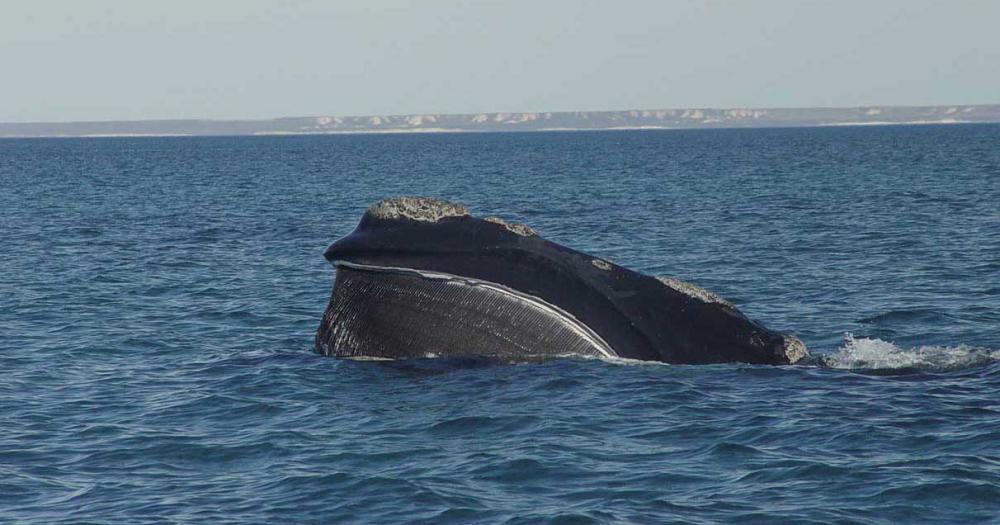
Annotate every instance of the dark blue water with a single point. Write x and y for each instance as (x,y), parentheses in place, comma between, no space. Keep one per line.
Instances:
(158,299)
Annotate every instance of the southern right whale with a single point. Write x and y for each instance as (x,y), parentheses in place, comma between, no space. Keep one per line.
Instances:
(422,277)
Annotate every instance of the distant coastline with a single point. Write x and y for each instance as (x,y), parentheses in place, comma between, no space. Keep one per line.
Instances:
(691,118)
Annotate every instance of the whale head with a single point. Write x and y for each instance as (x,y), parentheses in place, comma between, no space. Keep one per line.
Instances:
(422,276)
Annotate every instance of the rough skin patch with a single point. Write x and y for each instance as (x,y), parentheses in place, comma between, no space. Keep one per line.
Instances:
(425,209)
(794,349)
(694,291)
(601,264)
(521,229)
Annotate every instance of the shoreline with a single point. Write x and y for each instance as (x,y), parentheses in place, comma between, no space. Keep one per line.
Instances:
(655,119)
(444,131)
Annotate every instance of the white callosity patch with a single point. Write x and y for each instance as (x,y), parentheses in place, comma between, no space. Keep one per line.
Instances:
(521,229)
(429,209)
(876,354)
(693,291)
(794,349)
(601,264)
(416,208)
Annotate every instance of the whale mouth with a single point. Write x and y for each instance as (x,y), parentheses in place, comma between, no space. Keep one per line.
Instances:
(395,312)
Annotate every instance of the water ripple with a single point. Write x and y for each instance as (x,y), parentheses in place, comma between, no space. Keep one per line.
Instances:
(159,297)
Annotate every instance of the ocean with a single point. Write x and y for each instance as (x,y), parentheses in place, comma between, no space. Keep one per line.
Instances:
(159,299)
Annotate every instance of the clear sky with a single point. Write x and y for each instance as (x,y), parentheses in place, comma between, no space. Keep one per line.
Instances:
(68,60)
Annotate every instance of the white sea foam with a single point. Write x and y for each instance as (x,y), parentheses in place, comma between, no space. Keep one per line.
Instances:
(625,361)
(871,354)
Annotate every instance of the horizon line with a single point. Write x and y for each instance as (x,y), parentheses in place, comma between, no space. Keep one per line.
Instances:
(629,119)
(501,112)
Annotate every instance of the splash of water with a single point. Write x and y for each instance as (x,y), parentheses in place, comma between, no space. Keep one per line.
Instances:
(876,354)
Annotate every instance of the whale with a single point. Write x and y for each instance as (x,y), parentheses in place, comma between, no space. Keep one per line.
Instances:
(422,277)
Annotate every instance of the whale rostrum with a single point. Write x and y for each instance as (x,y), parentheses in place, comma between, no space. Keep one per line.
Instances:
(423,277)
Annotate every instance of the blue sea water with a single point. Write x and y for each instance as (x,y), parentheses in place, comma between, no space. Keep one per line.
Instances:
(159,296)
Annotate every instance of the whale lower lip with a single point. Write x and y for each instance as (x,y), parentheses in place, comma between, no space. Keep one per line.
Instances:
(392,312)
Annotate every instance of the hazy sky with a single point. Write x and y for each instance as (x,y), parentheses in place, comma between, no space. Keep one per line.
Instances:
(132,59)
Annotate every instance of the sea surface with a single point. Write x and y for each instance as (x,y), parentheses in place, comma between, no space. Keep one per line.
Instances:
(159,298)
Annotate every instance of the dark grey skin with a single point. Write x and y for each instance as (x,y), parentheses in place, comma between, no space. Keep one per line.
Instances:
(421,277)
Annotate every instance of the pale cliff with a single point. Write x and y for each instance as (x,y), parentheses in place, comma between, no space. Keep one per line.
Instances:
(691,118)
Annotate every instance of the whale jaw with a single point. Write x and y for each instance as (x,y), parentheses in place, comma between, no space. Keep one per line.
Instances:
(389,312)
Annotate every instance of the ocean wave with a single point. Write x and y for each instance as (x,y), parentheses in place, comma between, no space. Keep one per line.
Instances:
(922,315)
(876,354)
(161,298)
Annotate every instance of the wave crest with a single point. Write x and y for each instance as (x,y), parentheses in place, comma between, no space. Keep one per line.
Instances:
(876,354)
